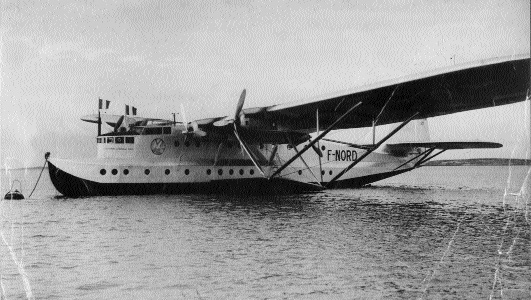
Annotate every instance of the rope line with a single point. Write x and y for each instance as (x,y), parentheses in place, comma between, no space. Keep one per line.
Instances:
(36,183)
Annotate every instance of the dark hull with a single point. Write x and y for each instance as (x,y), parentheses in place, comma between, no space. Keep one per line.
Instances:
(73,186)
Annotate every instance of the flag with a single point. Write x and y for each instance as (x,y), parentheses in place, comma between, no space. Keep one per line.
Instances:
(100,105)
(107,103)
(126,110)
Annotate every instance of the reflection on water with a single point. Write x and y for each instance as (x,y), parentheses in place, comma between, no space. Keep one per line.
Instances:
(407,237)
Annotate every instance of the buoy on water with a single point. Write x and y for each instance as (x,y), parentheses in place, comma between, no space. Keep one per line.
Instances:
(14,194)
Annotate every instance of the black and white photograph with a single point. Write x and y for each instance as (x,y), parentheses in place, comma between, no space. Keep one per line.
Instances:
(250,149)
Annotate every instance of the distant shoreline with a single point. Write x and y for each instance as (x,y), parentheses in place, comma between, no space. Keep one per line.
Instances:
(480,162)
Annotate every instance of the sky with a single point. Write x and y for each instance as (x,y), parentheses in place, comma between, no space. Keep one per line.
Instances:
(59,57)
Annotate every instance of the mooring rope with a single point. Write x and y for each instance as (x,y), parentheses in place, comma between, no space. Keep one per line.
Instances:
(44,166)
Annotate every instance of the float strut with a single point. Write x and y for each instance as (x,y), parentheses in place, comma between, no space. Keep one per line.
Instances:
(320,136)
(371,150)
(429,158)
(423,154)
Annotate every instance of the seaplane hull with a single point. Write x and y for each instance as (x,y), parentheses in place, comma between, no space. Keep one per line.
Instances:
(282,148)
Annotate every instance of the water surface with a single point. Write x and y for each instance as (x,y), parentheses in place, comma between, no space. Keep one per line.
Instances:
(434,233)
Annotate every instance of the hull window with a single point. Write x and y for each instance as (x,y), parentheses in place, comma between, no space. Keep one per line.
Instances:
(231,172)
(129,140)
(241,171)
(209,172)
(167,130)
(152,130)
(167,172)
(103,172)
(126,172)
(146,171)
(220,172)
(251,172)
(119,140)
(186,172)
(114,171)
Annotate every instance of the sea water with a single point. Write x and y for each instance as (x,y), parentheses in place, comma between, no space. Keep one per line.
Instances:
(433,233)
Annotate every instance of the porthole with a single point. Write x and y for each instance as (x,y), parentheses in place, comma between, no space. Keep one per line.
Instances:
(323,148)
(186,172)
(146,171)
(330,172)
(209,171)
(251,172)
(114,171)
(176,143)
(241,171)
(126,172)
(220,172)
(300,172)
(231,172)
(187,144)
(103,172)
(322,172)
(167,171)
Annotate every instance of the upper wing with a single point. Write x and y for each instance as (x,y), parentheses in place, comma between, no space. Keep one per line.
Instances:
(475,85)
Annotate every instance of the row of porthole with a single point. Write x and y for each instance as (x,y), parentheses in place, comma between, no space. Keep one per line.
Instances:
(322,172)
(167,172)
(231,172)
(146,171)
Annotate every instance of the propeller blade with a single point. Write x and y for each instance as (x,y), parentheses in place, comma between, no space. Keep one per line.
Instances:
(119,123)
(246,148)
(223,122)
(240,105)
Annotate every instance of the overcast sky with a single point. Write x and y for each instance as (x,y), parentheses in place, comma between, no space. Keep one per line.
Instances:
(58,57)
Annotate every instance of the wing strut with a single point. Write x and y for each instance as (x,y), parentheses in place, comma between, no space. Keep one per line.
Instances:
(371,150)
(320,136)
(304,162)
(429,158)
(318,146)
(247,150)
(424,154)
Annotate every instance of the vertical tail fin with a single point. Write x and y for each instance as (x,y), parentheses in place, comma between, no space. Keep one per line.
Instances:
(415,131)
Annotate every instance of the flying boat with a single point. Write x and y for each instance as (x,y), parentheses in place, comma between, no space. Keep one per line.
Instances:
(285,148)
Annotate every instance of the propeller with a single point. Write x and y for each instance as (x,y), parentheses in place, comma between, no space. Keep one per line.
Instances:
(119,123)
(192,127)
(236,119)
